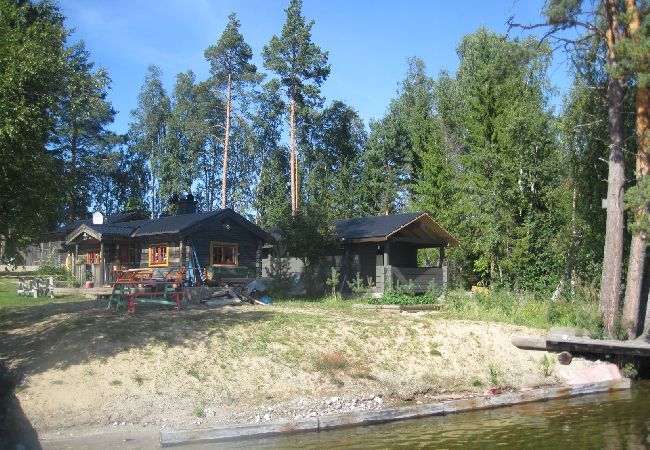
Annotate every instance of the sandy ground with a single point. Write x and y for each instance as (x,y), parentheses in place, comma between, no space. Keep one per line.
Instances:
(90,370)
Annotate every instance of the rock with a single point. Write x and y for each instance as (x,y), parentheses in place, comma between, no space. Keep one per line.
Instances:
(334,399)
(267,416)
(573,375)
(378,400)
(313,414)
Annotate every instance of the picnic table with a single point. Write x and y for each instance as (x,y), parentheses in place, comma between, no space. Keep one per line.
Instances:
(144,274)
(129,293)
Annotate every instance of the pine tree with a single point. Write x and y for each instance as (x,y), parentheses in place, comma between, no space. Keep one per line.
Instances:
(80,132)
(302,67)
(231,69)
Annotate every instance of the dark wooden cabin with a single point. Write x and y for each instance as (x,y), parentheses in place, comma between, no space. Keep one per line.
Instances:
(384,249)
(218,240)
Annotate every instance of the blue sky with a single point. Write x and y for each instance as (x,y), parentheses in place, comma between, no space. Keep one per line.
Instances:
(368,41)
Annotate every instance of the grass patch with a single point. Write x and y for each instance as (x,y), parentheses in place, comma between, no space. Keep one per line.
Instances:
(57,382)
(525,309)
(115,383)
(9,299)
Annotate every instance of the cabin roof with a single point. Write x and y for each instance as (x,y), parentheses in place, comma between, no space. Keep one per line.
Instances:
(172,224)
(177,224)
(378,228)
(113,219)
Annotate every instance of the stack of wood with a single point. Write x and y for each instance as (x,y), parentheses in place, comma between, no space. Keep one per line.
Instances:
(229,295)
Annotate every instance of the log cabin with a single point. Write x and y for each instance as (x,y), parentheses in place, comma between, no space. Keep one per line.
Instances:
(387,251)
(99,248)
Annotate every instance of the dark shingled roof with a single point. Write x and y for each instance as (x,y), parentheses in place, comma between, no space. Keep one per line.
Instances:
(114,230)
(369,227)
(171,224)
(115,218)
(162,225)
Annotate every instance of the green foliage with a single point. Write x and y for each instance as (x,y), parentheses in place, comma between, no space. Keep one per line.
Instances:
(546,363)
(400,299)
(336,142)
(233,75)
(357,285)
(308,237)
(528,309)
(32,73)
(280,279)
(637,198)
(333,281)
(300,64)
(149,132)
(494,374)
(49,269)
(433,290)
(630,370)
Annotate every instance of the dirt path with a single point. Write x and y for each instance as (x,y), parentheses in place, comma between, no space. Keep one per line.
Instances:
(89,370)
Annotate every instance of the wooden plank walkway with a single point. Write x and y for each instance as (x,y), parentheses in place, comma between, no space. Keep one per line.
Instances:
(567,340)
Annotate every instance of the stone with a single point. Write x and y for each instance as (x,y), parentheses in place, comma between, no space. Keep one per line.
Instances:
(378,400)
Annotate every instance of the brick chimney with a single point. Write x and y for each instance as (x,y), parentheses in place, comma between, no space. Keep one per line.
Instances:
(186,205)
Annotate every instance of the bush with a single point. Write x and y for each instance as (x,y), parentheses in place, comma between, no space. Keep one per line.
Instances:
(280,280)
(393,298)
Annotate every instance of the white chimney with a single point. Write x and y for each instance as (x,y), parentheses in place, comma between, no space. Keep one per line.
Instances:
(98,218)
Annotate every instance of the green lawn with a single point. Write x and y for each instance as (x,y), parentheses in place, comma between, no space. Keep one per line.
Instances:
(9,299)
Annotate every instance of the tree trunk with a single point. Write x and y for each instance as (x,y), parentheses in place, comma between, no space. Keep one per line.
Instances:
(292,155)
(610,287)
(636,264)
(73,174)
(224,176)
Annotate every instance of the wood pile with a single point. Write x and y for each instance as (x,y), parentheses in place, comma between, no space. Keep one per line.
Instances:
(228,295)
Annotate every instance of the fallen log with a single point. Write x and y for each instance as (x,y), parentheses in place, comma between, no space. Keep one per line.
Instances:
(528,343)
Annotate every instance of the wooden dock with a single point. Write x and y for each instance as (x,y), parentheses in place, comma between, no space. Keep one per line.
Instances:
(568,340)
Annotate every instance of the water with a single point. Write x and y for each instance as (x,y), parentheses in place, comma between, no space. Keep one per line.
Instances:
(618,420)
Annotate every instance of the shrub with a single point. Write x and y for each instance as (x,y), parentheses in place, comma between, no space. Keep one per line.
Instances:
(280,279)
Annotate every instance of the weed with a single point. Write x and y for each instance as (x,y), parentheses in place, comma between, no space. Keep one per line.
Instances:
(630,370)
(89,372)
(198,412)
(331,362)
(115,383)
(102,360)
(494,375)
(546,363)
(138,379)
(194,372)
(434,350)
(57,382)
(477,383)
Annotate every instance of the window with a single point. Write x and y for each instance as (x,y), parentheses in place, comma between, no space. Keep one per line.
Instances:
(92,258)
(158,255)
(223,254)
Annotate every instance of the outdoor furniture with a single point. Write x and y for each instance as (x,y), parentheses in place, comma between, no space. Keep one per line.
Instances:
(149,291)
(36,287)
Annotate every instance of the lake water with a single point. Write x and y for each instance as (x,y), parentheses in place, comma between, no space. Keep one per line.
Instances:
(618,420)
